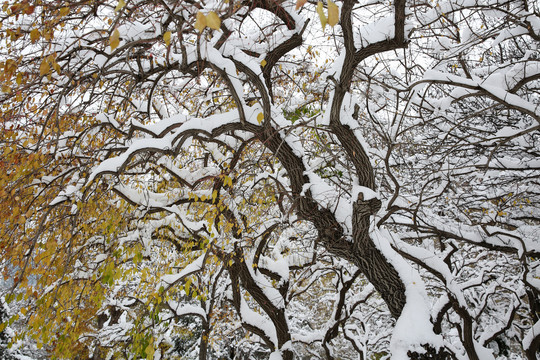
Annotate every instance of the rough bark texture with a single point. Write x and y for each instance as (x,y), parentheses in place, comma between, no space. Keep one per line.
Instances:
(240,273)
(360,250)
(372,262)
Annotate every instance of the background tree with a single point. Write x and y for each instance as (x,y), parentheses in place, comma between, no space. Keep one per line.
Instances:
(185,178)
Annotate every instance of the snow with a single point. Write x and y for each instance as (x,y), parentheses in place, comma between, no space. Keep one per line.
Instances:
(534,20)
(496,92)
(320,190)
(509,34)
(531,334)
(113,165)
(107,118)
(269,291)
(416,311)
(193,267)
(366,192)
(181,309)
(279,266)
(257,320)
(275,355)
(67,193)
(380,30)
(172,135)
(483,353)
(99,258)
(22,357)
(533,281)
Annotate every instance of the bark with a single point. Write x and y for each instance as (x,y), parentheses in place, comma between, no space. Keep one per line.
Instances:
(240,273)
(203,344)
(534,350)
(467,332)
(359,250)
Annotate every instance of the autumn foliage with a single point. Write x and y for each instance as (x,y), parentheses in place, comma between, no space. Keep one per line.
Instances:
(270,179)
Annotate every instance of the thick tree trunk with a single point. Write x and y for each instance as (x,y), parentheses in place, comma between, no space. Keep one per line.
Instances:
(360,250)
(372,262)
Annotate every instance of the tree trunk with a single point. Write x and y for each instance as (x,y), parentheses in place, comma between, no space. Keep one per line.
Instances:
(360,251)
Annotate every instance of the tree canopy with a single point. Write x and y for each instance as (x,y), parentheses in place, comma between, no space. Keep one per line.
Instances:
(270,179)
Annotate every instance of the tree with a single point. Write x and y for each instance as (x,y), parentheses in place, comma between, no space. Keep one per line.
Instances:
(4,338)
(181,171)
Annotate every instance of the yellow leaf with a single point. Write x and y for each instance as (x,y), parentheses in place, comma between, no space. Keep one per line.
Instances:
(56,67)
(35,35)
(150,351)
(10,66)
(120,5)
(200,24)
(167,38)
(333,13)
(260,117)
(29,9)
(44,67)
(320,11)
(114,40)
(213,21)
(19,78)
(47,34)
(300,3)
(263,63)
(64,11)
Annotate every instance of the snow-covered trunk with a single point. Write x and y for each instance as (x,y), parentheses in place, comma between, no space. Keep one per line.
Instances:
(357,247)
(361,251)
(277,339)
(371,261)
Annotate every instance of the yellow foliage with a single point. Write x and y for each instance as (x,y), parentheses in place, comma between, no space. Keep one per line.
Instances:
(121,4)
(44,68)
(300,3)
(167,38)
(35,34)
(213,21)
(333,13)
(114,40)
(200,23)
(322,16)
